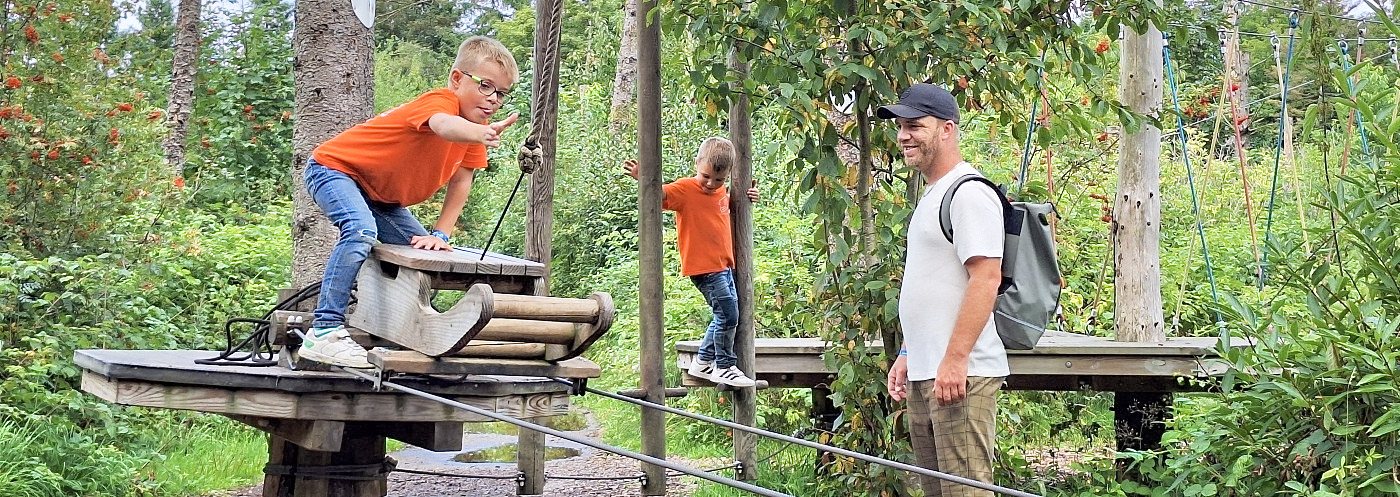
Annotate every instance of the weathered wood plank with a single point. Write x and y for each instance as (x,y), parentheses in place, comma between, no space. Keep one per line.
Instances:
(462,260)
(407,361)
(436,436)
(322,435)
(178,367)
(328,406)
(1053,343)
(396,308)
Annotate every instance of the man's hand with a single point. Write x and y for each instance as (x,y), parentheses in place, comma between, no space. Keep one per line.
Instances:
(630,167)
(950,384)
(753,191)
(429,242)
(897,382)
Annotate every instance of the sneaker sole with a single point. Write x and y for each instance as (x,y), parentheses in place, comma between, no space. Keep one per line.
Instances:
(313,355)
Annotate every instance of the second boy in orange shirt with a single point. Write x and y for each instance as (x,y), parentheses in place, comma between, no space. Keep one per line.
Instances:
(706,245)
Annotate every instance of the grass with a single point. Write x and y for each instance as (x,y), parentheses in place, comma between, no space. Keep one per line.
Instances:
(212,454)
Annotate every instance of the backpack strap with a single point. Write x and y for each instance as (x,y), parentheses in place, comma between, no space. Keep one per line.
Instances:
(945,214)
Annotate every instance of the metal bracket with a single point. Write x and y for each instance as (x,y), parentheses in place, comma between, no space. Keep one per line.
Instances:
(642,478)
(379,374)
(579,386)
(519,481)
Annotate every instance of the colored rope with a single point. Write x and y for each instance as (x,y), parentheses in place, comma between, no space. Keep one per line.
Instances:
(1284,132)
(1351,91)
(1195,202)
(1030,130)
(1235,120)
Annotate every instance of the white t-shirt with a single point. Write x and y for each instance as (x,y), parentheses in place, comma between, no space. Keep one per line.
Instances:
(935,278)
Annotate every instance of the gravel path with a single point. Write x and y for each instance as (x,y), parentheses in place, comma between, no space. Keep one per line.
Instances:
(589,463)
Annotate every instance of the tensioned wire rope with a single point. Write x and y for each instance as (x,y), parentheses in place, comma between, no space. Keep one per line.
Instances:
(1191,181)
(1033,123)
(380,383)
(808,443)
(1283,134)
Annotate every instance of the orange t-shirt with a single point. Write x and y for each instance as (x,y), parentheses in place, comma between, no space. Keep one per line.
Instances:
(395,157)
(702,226)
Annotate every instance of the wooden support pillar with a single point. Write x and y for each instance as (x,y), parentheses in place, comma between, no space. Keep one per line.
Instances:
(650,287)
(539,214)
(1136,229)
(529,460)
(294,471)
(741,221)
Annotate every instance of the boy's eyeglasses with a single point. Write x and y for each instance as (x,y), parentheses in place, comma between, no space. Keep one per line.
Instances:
(486,88)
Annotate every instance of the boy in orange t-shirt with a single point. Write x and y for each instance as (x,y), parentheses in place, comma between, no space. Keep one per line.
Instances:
(706,245)
(365,177)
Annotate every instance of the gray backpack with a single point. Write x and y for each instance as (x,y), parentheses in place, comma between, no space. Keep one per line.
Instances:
(1030,274)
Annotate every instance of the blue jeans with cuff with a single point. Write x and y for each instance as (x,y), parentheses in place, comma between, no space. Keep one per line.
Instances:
(361,222)
(718,344)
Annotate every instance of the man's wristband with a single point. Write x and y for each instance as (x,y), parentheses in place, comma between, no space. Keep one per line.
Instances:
(438,233)
(903,352)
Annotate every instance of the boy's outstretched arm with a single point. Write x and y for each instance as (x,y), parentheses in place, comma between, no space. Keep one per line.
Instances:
(456,129)
(630,167)
(458,189)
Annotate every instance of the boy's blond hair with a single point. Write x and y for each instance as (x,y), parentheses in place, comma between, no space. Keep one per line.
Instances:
(718,153)
(479,49)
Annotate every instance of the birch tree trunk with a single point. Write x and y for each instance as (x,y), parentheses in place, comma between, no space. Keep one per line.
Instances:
(183,67)
(625,81)
(333,70)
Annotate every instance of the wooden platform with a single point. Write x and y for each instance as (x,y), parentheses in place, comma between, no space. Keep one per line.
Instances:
(171,379)
(325,423)
(1061,361)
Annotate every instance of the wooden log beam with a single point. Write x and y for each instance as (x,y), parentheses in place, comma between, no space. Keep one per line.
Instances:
(437,436)
(312,434)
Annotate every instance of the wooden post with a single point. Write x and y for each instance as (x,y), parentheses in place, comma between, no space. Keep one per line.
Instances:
(529,460)
(650,287)
(741,219)
(539,215)
(1136,228)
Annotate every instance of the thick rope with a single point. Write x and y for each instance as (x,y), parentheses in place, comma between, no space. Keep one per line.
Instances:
(1191,181)
(1285,130)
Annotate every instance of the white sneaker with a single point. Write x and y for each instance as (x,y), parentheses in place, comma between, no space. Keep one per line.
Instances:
(333,346)
(731,376)
(701,370)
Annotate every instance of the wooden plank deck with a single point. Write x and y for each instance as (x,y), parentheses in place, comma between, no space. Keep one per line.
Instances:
(1061,361)
(171,379)
(459,260)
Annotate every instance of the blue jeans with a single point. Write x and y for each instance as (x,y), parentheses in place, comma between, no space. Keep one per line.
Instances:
(361,221)
(718,344)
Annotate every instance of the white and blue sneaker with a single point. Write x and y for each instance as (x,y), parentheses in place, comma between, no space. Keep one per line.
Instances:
(333,346)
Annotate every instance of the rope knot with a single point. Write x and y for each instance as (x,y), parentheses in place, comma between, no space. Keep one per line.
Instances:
(531,156)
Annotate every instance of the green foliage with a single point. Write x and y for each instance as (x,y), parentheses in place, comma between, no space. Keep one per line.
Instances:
(432,25)
(240,135)
(79,144)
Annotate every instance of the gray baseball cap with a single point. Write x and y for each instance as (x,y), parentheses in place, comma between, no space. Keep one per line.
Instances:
(921,100)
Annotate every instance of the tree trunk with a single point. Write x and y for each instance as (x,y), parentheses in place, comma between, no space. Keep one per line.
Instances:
(1137,282)
(333,70)
(184,66)
(625,81)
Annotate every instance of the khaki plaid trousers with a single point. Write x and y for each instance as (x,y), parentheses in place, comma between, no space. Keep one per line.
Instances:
(958,439)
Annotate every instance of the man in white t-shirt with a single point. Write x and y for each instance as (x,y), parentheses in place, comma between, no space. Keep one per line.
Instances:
(952,363)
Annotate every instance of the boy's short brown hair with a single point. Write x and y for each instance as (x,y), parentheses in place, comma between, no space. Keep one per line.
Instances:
(718,153)
(479,49)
